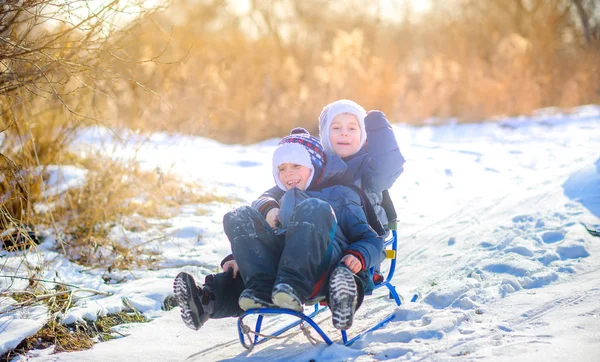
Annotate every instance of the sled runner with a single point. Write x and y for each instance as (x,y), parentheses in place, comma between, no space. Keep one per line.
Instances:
(307,321)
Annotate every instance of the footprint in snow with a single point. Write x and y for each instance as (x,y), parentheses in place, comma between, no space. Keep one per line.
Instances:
(551,237)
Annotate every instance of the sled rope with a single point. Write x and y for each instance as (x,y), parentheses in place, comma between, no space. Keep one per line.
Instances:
(306,332)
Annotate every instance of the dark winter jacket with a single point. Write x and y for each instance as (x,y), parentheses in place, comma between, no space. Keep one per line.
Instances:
(354,235)
(376,166)
(373,168)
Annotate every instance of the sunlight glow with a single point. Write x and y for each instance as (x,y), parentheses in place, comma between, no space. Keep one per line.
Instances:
(395,9)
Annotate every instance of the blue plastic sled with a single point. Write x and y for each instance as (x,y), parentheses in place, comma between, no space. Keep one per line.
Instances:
(249,342)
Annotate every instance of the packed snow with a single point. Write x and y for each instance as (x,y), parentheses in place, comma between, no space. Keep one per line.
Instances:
(498,237)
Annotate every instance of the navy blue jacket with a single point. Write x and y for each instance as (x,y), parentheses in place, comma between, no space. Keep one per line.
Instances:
(354,235)
(376,166)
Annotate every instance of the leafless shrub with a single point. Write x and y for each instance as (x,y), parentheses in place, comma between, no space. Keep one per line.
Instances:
(55,78)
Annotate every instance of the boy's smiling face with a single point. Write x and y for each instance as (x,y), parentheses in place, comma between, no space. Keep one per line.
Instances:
(344,134)
(293,175)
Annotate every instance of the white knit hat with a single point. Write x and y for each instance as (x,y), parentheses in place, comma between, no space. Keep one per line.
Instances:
(336,108)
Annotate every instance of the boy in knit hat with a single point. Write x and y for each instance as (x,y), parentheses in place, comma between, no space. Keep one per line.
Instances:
(324,240)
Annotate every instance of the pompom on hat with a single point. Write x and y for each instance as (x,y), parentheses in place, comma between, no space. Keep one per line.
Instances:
(334,109)
(299,148)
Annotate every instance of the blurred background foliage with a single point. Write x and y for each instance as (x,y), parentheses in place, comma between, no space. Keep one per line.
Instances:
(242,71)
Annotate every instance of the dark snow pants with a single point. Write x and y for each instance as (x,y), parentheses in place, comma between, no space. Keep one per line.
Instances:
(302,257)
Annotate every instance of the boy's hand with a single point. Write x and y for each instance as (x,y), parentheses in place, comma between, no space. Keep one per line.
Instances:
(352,263)
(231,264)
(273,217)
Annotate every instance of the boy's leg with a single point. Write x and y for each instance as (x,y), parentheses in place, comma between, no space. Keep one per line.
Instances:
(310,248)
(256,250)
(221,294)
(217,298)
(343,296)
(189,298)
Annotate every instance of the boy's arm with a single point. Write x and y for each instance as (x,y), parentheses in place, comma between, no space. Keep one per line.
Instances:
(385,161)
(268,201)
(365,244)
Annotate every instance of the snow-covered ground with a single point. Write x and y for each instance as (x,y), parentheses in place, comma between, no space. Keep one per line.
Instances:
(493,237)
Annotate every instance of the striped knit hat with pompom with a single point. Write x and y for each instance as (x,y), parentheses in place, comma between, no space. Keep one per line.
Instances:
(299,148)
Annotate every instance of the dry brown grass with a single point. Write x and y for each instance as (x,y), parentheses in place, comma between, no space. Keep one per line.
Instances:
(114,194)
(63,338)
(53,333)
(120,194)
(36,137)
(66,338)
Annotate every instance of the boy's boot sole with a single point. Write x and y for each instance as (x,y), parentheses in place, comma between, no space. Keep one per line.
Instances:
(284,296)
(342,297)
(188,296)
(249,300)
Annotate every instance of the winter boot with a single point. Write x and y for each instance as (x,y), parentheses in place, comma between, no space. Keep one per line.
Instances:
(284,296)
(343,297)
(188,296)
(250,299)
